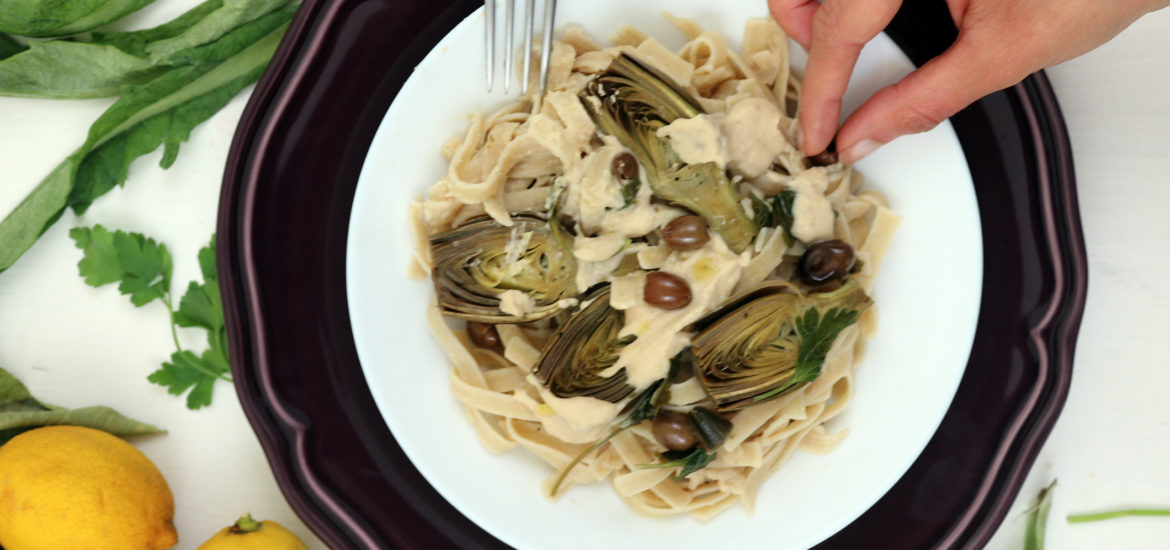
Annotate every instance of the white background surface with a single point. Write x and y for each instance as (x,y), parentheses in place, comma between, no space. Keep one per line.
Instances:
(76,346)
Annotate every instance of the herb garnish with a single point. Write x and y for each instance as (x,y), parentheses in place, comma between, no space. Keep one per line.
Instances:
(816,337)
(689,461)
(142,268)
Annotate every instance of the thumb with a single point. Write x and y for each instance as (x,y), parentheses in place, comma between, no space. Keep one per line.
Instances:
(926,97)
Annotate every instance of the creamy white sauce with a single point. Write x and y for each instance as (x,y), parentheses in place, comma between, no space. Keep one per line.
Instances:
(752,135)
(747,139)
(590,417)
(696,140)
(515,302)
(599,248)
(583,415)
(812,213)
(711,272)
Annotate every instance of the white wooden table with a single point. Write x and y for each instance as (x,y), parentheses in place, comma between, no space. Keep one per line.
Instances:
(75,346)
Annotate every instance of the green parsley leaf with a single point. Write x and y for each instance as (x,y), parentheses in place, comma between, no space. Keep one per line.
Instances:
(816,337)
(202,307)
(142,266)
(187,371)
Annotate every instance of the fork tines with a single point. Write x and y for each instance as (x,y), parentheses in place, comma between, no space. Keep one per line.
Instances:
(508,45)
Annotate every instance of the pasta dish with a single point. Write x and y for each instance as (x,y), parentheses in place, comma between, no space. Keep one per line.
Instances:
(640,278)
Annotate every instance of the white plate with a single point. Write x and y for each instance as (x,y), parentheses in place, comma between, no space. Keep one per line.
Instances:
(927,294)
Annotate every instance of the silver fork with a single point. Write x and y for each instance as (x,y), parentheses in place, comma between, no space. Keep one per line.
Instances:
(550,8)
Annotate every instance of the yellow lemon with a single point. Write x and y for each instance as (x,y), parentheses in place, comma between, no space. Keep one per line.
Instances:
(67,487)
(249,534)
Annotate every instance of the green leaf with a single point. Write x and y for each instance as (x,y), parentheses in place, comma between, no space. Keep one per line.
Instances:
(101,67)
(201,305)
(43,19)
(9,47)
(630,191)
(646,405)
(688,462)
(816,337)
(142,265)
(99,264)
(160,112)
(71,70)
(213,24)
(1038,519)
(782,211)
(763,215)
(20,412)
(11,390)
(187,371)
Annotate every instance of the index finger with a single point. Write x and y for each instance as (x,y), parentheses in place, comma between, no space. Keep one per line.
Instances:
(840,29)
(796,18)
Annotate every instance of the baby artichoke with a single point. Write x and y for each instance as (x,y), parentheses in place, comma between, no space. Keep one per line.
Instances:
(478,261)
(770,339)
(631,101)
(574,362)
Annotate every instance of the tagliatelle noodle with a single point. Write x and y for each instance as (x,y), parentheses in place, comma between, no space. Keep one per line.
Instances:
(507,162)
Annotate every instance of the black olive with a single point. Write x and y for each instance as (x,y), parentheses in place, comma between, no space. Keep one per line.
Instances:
(824,158)
(625,167)
(686,233)
(826,261)
(673,430)
(666,291)
(483,335)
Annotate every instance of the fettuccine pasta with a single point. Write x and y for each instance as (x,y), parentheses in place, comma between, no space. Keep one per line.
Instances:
(547,157)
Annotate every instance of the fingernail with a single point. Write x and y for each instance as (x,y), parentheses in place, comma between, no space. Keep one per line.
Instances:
(859,151)
(799,138)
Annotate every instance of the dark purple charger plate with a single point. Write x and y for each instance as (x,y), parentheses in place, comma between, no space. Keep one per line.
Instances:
(284,216)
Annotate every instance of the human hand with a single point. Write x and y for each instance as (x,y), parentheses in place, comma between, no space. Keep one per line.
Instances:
(1000,42)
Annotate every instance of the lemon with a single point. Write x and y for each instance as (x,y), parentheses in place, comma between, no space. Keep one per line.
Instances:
(249,534)
(67,487)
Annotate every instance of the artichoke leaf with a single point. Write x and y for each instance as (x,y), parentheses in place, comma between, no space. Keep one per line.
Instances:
(770,340)
(478,261)
(576,359)
(631,101)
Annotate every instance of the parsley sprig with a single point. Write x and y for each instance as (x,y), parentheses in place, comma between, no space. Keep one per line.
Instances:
(816,335)
(143,267)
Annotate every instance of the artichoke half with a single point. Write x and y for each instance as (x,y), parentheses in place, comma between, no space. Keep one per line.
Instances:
(631,101)
(573,361)
(769,340)
(479,260)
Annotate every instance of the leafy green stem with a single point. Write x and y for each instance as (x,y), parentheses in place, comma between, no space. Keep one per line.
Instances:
(565,472)
(171,315)
(1100,516)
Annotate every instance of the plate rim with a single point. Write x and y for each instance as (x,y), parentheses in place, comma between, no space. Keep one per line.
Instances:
(286,433)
